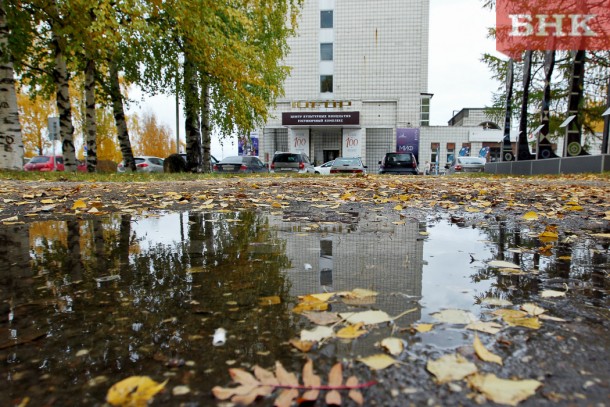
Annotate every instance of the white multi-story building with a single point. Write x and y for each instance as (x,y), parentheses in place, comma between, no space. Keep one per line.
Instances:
(359,78)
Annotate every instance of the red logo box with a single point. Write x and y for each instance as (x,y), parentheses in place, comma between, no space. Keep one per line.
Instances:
(552,25)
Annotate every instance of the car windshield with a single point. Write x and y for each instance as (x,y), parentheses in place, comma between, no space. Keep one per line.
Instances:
(39,159)
(346,161)
(399,158)
(286,158)
(231,160)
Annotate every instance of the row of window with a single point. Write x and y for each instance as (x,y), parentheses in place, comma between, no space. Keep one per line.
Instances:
(326,51)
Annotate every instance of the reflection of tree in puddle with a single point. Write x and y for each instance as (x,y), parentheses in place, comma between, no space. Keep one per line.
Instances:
(570,260)
(139,311)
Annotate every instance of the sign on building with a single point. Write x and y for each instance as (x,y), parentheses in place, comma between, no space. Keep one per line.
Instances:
(407,141)
(352,143)
(298,141)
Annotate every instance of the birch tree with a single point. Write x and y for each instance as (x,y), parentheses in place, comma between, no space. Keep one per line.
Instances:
(11,144)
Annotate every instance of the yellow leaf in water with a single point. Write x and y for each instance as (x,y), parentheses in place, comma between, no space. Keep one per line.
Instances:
(552,294)
(485,354)
(370,317)
(533,309)
(378,362)
(269,300)
(511,313)
(303,346)
(47,201)
(422,328)
(79,204)
(533,323)
(352,331)
(134,391)
(452,367)
(486,327)
(324,297)
(501,391)
(398,208)
(531,215)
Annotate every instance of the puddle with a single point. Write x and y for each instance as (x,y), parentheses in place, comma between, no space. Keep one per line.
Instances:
(86,303)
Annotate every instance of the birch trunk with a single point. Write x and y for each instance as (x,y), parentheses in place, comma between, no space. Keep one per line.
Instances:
(119,118)
(11,142)
(192,123)
(64,107)
(90,122)
(206,137)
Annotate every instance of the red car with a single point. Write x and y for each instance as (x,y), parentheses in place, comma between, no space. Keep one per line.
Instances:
(45,163)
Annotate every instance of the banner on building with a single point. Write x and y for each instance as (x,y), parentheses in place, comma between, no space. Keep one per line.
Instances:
(248,145)
(407,141)
(464,152)
(352,143)
(298,141)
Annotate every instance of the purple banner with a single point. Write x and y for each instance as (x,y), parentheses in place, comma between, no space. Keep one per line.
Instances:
(407,141)
(248,146)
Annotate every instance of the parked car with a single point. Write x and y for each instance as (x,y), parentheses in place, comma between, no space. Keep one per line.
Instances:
(323,169)
(145,163)
(291,162)
(348,165)
(45,163)
(240,164)
(398,163)
(467,164)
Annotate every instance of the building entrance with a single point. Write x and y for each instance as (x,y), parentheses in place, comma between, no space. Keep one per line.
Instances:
(330,155)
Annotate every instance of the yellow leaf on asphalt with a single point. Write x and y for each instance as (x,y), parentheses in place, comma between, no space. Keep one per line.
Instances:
(79,204)
(276,205)
(394,346)
(485,354)
(452,367)
(530,216)
(47,201)
(552,294)
(134,391)
(602,235)
(533,309)
(351,331)
(398,208)
(378,362)
(501,391)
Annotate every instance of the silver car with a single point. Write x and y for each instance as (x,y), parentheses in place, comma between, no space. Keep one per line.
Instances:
(348,165)
(467,164)
(291,162)
(144,163)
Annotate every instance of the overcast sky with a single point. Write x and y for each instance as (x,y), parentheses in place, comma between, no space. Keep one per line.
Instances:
(456,77)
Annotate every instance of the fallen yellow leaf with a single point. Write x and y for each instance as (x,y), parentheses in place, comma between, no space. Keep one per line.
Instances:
(378,362)
(485,354)
(352,331)
(79,204)
(501,391)
(134,391)
(530,216)
(452,367)
(422,328)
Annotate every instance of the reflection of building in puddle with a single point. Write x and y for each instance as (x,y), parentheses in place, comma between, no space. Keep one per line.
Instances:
(376,254)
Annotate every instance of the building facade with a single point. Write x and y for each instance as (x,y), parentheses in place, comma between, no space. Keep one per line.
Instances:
(358,82)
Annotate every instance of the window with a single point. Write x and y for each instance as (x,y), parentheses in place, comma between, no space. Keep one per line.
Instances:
(450,152)
(326,52)
(326,83)
(326,19)
(424,120)
(436,149)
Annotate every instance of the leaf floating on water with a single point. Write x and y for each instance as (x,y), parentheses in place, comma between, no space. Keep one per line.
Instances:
(322,318)
(317,334)
(134,391)
(423,328)
(501,391)
(452,367)
(485,354)
(454,316)
(533,309)
(273,300)
(552,294)
(303,346)
(352,331)
(370,317)
(496,301)
(485,327)
(503,264)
